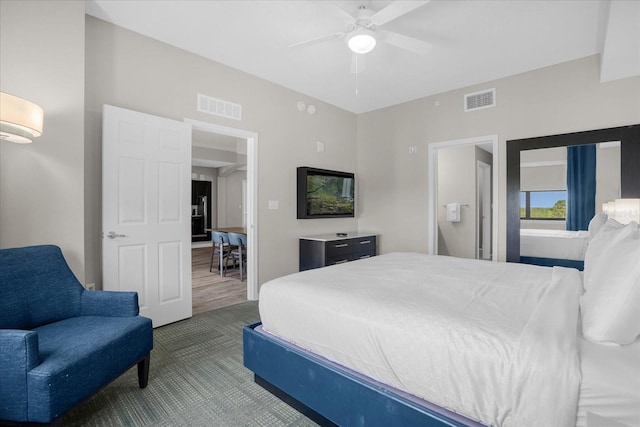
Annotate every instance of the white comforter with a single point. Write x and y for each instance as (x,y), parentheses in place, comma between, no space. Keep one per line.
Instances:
(495,342)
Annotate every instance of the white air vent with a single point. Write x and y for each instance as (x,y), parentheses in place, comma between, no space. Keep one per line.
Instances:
(479,100)
(218,107)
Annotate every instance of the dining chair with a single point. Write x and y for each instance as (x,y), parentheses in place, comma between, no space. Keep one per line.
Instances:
(239,253)
(221,248)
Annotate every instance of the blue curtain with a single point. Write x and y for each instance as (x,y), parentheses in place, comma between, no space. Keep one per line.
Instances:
(581,186)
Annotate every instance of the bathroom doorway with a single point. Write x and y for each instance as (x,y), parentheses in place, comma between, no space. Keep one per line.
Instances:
(462,207)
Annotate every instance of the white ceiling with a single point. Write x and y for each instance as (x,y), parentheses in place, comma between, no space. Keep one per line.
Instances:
(472,41)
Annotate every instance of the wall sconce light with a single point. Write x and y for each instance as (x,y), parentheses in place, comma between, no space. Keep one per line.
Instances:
(609,209)
(20,120)
(623,210)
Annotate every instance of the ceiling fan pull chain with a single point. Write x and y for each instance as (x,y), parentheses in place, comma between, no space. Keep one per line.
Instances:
(356,73)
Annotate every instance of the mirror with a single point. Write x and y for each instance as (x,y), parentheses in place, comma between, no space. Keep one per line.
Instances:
(547,234)
(629,173)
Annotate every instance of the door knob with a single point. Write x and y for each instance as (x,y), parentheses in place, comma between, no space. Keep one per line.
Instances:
(113,235)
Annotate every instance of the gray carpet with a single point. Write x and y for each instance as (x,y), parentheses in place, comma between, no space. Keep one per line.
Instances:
(196,379)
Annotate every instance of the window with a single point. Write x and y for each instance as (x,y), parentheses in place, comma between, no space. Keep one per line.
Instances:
(550,205)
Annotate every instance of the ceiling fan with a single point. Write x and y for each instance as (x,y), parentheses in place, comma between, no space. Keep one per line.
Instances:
(364,32)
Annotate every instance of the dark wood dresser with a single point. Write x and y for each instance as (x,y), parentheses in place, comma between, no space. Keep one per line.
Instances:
(330,249)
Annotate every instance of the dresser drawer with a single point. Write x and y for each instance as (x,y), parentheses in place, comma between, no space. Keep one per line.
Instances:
(362,255)
(339,247)
(338,259)
(364,246)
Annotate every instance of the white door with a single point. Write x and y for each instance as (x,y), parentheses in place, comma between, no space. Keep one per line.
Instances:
(484,210)
(244,203)
(146,211)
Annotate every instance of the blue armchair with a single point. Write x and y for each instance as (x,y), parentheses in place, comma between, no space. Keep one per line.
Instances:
(59,343)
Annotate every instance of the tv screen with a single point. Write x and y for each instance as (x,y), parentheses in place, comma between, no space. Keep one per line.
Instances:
(325,194)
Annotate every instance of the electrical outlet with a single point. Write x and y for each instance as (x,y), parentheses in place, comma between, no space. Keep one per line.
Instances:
(90,286)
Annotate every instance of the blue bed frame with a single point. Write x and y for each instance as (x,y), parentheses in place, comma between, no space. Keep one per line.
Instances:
(332,395)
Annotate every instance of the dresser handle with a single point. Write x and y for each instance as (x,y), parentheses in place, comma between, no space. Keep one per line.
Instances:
(343,245)
(342,261)
(364,242)
(365,256)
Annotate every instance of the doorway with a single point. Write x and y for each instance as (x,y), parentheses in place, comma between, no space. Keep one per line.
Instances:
(246,205)
(438,206)
(217,175)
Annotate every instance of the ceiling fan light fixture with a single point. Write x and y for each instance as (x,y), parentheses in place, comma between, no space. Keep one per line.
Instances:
(361,40)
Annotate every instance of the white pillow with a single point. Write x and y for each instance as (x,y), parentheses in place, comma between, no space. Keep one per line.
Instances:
(610,306)
(596,223)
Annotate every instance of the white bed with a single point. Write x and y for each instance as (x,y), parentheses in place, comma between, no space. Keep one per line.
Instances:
(499,343)
(610,387)
(556,244)
(495,342)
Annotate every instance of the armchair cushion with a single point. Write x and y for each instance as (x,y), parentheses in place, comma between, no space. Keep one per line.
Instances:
(81,354)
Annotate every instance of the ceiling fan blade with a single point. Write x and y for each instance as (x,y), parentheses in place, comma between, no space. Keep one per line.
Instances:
(405,42)
(396,10)
(358,63)
(317,40)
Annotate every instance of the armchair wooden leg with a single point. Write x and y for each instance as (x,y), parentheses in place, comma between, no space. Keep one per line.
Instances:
(143,371)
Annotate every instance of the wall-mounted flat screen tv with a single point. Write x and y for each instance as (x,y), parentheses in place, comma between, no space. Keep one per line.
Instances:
(325,194)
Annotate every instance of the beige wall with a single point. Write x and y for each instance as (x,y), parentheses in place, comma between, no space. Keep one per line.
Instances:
(232,203)
(563,98)
(131,71)
(41,184)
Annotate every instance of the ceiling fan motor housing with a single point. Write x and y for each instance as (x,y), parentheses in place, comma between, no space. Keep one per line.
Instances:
(363,18)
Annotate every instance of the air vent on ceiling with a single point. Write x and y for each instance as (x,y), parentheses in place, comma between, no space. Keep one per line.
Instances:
(479,100)
(219,107)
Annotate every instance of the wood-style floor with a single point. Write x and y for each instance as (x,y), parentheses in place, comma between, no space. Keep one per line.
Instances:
(210,290)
